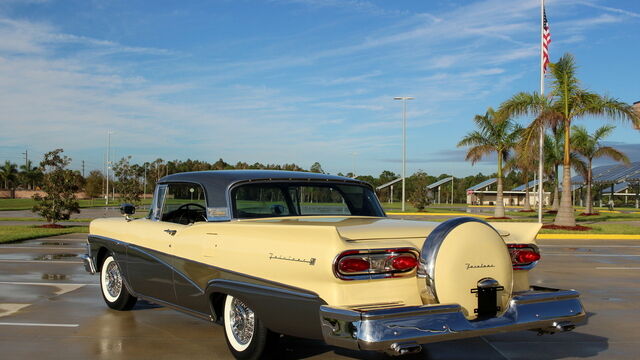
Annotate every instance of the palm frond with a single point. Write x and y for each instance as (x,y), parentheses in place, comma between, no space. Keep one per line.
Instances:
(615,154)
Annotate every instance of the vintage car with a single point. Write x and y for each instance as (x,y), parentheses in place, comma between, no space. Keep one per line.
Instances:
(310,255)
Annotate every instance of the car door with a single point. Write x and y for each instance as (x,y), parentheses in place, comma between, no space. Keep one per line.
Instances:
(186,206)
(149,258)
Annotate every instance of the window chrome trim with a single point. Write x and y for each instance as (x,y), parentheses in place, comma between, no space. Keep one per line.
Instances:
(157,204)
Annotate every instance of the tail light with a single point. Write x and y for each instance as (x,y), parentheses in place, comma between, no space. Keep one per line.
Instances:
(375,263)
(524,256)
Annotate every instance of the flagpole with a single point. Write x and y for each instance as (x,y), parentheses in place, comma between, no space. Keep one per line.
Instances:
(541,140)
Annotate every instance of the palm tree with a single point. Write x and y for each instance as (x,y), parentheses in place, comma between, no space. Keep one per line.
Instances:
(553,156)
(30,174)
(495,134)
(524,162)
(567,102)
(8,174)
(590,146)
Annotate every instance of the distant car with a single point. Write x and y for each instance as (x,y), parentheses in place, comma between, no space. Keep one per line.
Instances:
(314,256)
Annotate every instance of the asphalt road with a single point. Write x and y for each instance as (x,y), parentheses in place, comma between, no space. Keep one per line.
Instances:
(51,309)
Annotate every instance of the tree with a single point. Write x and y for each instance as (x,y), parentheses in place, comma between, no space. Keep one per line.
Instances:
(553,147)
(566,103)
(128,184)
(93,187)
(496,134)
(316,168)
(418,195)
(9,175)
(590,147)
(30,175)
(524,162)
(60,185)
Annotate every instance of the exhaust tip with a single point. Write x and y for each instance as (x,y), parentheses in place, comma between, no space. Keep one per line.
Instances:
(563,326)
(558,326)
(399,349)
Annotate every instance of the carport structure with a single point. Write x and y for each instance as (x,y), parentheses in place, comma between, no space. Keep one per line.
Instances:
(390,186)
(616,176)
(438,184)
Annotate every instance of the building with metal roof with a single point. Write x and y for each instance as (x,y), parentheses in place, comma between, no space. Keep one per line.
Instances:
(531,184)
(485,193)
(484,184)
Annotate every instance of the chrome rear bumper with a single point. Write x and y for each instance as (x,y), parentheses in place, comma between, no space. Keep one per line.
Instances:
(397,330)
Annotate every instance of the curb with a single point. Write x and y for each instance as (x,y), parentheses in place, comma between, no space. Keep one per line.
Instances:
(589,236)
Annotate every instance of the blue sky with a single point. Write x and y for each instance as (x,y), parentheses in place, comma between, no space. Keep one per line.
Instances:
(291,81)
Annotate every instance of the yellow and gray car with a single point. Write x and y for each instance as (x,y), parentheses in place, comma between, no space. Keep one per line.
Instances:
(265,253)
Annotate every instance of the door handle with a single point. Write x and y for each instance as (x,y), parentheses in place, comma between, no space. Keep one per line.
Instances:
(171,232)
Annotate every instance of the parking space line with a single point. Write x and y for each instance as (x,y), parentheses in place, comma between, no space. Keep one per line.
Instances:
(43,283)
(38,324)
(40,261)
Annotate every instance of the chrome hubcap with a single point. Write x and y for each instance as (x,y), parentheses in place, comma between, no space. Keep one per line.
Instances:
(114,280)
(242,321)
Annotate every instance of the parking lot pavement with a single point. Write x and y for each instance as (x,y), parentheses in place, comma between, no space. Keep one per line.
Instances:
(51,309)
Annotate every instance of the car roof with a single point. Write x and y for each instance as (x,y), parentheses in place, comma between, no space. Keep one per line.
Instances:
(217,183)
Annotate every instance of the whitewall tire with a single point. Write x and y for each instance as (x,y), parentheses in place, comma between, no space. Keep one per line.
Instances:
(246,337)
(114,291)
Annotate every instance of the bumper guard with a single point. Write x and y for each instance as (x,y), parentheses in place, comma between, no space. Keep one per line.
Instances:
(89,265)
(397,330)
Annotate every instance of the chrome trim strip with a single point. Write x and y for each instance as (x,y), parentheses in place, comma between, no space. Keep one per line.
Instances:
(427,266)
(537,309)
(183,309)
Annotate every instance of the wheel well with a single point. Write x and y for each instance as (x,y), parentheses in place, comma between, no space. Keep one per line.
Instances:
(217,305)
(102,254)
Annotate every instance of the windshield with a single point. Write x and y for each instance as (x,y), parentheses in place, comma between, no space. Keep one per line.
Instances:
(293,199)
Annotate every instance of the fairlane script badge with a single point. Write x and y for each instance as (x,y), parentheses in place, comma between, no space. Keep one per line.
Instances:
(470,266)
(311,261)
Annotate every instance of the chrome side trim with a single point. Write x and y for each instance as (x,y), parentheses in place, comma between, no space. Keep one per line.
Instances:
(427,266)
(541,309)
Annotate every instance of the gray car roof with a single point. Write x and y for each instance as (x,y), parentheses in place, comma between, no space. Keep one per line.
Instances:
(216,183)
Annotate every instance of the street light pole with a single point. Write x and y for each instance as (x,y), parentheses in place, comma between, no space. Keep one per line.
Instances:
(404,144)
(106,197)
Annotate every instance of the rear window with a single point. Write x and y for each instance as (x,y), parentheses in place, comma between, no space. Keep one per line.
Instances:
(287,199)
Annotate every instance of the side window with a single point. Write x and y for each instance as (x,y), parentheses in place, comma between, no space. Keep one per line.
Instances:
(260,201)
(184,203)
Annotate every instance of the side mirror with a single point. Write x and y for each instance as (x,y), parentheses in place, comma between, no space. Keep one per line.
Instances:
(126,210)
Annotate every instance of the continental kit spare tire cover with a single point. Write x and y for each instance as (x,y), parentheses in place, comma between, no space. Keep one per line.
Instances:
(457,255)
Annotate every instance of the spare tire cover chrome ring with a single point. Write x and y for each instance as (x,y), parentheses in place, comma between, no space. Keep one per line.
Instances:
(432,245)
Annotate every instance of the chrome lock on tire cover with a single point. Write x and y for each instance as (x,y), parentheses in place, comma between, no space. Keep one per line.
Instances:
(457,255)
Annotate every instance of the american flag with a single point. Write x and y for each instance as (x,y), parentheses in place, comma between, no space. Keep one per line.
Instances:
(546,40)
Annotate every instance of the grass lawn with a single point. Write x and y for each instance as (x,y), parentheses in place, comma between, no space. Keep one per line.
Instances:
(604,216)
(27,204)
(16,233)
(611,228)
(441,208)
